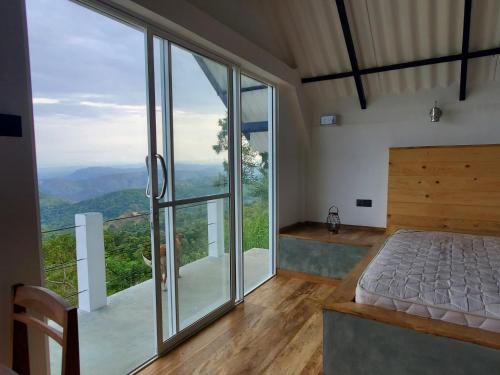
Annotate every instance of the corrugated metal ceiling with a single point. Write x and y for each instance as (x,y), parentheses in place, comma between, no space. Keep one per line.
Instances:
(387,32)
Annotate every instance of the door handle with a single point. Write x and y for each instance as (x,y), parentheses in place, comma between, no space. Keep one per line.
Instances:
(164,171)
(148,194)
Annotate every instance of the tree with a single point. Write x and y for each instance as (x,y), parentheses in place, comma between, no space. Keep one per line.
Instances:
(251,166)
(255,179)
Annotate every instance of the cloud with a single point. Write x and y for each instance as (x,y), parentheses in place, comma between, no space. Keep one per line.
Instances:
(114,106)
(91,96)
(96,67)
(120,138)
(106,140)
(46,101)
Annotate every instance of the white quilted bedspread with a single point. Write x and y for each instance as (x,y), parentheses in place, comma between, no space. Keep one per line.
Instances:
(446,276)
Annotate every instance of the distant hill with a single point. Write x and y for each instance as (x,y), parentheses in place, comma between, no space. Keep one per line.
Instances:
(87,183)
(93,172)
(57,213)
(113,191)
(82,185)
(47,200)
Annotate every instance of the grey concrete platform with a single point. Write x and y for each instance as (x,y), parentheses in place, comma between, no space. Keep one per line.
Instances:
(319,258)
(119,337)
(354,345)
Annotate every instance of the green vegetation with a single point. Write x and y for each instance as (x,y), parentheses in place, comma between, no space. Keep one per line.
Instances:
(255,226)
(111,205)
(127,230)
(123,244)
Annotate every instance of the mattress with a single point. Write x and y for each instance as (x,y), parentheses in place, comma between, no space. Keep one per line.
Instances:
(445,276)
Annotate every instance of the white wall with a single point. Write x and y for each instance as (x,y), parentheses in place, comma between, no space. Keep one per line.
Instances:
(292,151)
(351,161)
(19,246)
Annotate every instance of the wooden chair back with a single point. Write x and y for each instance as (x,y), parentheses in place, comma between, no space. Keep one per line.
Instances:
(49,305)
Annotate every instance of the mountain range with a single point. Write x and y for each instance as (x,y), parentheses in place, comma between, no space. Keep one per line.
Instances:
(86,183)
(113,191)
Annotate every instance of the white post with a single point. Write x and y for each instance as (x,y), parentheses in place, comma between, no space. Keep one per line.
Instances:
(215,213)
(90,266)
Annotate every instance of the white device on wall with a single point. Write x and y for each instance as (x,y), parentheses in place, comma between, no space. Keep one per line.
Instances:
(328,120)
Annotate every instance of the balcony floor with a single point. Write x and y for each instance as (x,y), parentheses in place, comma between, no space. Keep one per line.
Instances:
(119,337)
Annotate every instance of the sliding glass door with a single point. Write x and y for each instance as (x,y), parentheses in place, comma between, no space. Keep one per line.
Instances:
(257,179)
(147,198)
(193,211)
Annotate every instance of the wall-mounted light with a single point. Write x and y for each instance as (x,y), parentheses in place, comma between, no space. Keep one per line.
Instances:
(435,112)
(328,120)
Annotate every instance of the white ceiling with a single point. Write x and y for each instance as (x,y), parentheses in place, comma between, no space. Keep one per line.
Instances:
(307,35)
(387,32)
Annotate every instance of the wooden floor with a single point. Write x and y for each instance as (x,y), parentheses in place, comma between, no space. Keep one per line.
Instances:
(348,234)
(277,330)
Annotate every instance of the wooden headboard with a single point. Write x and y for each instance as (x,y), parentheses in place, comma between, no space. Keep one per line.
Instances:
(451,188)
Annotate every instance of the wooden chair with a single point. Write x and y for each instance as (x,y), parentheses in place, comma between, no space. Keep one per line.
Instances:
(49,305)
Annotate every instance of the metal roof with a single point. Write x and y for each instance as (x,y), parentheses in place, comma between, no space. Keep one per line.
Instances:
(387,32)
(254,95)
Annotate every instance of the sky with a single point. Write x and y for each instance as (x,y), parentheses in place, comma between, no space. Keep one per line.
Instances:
(89,91)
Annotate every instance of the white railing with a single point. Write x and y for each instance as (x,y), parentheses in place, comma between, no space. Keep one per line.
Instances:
(91,267)
(91,270)
(215,213)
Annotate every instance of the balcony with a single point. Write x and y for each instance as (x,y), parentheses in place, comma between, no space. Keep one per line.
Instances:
(117,332)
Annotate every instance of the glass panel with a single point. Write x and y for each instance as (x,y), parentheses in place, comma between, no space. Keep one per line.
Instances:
(202,238)
(199,93)
(167,292)
(255,154)
(89,96)
(160,54)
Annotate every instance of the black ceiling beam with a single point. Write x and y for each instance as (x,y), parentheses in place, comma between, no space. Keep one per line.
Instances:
(352,53)
(484,53)
(327,77)
(254,88)
(465,49)
(411,64)
(405,65)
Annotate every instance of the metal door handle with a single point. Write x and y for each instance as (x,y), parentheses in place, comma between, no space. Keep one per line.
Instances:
(148,194)
(164,171)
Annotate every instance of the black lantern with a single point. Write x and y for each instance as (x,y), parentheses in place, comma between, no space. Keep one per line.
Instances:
(333,219)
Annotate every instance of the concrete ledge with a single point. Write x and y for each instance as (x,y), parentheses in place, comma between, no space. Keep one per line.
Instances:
(353,345)
(318,258)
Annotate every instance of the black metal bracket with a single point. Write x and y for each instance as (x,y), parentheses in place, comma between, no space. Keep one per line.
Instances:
(465,49)
(351,51)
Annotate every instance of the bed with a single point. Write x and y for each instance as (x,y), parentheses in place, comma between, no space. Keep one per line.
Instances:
(451,277)
(426,299)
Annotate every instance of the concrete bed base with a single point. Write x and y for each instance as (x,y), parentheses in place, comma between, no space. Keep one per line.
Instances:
(356,346)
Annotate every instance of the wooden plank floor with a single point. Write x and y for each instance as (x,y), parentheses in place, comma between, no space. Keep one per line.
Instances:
(277,330)
(348,234)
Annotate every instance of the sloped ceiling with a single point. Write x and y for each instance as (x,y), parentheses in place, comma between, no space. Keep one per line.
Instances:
(307,35)
(251,19)
(387,32)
